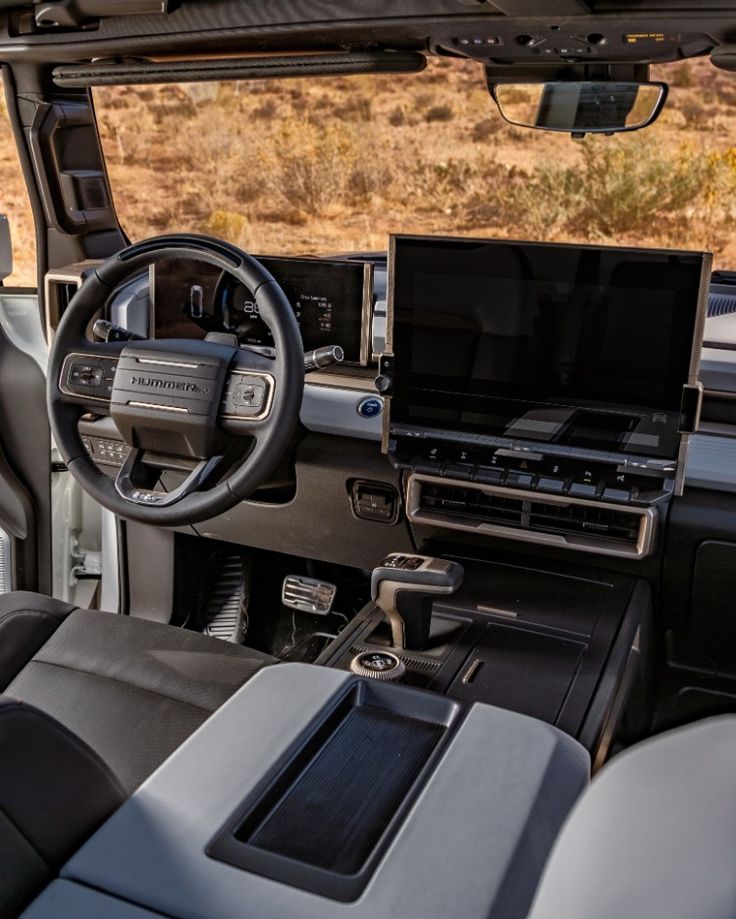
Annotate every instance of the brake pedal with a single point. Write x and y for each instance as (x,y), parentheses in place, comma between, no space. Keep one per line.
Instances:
(308,595)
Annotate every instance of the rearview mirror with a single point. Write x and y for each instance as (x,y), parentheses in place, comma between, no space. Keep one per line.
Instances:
(580,108)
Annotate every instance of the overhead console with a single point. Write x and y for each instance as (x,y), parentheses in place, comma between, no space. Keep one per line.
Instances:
(543,392)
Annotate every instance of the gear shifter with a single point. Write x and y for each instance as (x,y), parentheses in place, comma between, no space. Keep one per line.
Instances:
(403,586)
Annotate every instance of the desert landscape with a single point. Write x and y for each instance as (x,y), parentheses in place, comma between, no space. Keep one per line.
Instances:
(325,166)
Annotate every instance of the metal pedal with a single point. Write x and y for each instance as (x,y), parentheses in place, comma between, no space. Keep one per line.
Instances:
(308,595)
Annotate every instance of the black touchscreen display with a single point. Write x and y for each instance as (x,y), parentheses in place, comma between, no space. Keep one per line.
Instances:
(580,346)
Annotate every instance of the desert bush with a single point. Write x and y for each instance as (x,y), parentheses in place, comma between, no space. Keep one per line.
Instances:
(681,75)
(695,113)
(310,166)
(267,109)
(439,113)
(355,109)
(618,187)
(483,130)
(397,117)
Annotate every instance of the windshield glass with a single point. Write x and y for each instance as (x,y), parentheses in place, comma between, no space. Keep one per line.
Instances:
(297,166)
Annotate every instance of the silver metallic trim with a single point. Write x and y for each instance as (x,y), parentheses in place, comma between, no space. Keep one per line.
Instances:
(160,363)
(366,325)
(270,387)
(644,544)
(472,670)
(62,376)
(160,408)
(6,562)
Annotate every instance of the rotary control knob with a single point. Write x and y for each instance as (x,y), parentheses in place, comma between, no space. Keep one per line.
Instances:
(378,665)
(384,384)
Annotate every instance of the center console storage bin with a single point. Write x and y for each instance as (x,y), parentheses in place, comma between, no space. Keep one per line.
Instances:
(520,670)
(324,816)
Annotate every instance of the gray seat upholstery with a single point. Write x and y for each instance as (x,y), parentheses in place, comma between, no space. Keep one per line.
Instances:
(133,690)
(654,837)
(92,703)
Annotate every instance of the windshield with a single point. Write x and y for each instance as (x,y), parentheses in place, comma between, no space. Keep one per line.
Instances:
(325,166)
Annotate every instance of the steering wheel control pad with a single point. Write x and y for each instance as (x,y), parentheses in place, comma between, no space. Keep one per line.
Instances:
(166,396)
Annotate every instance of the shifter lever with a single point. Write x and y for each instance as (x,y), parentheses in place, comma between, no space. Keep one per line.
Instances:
(403,586)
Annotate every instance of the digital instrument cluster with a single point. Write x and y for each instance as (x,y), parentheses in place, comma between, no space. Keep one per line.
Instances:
(332,300)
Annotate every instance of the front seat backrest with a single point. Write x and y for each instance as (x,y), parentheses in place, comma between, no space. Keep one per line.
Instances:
(654,837)
(54,792)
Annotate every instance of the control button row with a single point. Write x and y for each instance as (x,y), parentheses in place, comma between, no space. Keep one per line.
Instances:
(492,475)
(112,452)
(90,376)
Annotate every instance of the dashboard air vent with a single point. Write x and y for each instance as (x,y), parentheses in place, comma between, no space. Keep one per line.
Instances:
(721,304)
(572,523)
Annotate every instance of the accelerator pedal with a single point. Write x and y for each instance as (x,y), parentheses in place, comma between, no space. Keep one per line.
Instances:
(227,610)
(308,595)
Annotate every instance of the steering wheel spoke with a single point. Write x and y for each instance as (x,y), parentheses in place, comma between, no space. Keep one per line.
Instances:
(135,481)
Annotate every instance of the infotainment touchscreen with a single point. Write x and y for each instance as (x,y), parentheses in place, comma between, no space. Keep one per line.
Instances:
(582,346)
(331,299)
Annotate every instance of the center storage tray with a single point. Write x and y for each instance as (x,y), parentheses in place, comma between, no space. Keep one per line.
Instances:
(325,814)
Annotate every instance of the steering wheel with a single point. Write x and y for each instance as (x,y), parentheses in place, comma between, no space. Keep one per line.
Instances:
(198,401)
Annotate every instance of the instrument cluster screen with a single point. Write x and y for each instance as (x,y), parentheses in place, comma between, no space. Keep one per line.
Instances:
(579,346)
(331,299)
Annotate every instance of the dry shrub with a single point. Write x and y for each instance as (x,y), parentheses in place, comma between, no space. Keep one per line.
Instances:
(623,186)
(439,113)
(485,129)
(309,167)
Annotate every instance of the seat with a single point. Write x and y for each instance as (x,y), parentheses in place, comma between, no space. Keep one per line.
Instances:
(654,837)
(131,689)
(91,704)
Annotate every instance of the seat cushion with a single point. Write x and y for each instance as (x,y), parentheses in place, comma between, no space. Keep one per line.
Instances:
(132,689)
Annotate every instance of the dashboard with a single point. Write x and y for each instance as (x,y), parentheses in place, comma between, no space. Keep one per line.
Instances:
(331,298)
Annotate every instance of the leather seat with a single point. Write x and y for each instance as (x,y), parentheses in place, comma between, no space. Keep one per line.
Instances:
(91,704)
(133,690)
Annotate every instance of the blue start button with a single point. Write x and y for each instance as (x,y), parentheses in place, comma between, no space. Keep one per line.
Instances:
(370,407)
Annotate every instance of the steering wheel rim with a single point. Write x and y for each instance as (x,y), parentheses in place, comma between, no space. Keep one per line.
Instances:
(272,435)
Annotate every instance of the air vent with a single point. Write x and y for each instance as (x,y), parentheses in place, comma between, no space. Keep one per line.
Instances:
(721,305)
(590,526)
(60,286)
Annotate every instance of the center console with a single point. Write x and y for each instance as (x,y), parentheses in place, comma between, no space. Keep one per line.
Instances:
(313,794)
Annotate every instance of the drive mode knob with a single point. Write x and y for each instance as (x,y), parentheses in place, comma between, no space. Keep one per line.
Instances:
(378,665)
